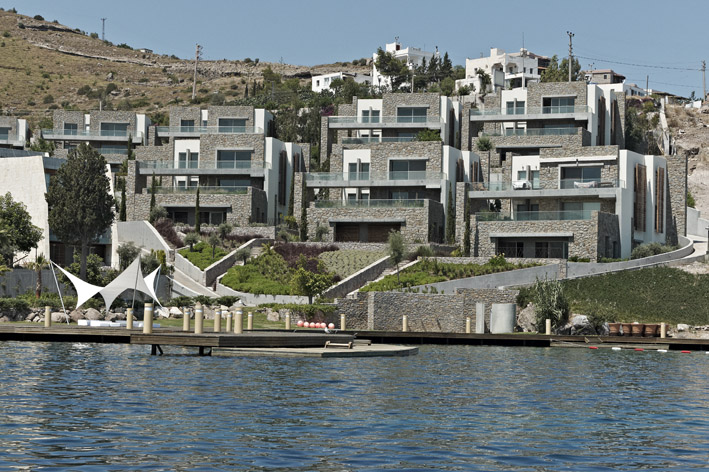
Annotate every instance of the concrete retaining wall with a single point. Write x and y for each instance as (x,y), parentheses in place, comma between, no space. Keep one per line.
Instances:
(143,234)
(220,267)
(501,279)
(254,299)
(696,225)
(186,267)
(19,281)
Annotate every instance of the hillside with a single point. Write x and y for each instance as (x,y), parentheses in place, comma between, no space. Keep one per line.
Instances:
(689,129)
(46,65)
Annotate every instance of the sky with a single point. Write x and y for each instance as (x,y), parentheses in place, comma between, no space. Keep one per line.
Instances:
(663,40)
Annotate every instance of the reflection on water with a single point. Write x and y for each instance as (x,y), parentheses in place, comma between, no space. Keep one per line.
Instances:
(114,407)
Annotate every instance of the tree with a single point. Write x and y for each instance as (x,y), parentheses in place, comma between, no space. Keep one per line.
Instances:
(550,303)
(191,239)
(37,266)
(122,212)
(79,199)
(450,218)
(243,254)
(153,190)
(19,232)
(127,253)
(310,283)
(466,234)
(197,224)
(396,250)
(389,66)
(304,222)
(214,242)
(485,81)
(42,145)
(224,230)
(560,72)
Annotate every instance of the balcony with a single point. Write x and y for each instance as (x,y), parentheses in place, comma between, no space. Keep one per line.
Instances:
(536,132)
(417,203)
(379,139)
(11,139)
(196,131)
(536,216)
(254,169)
(563,188)
(359,122)
(91,135)
(563,112)
(211,190)
(429,179)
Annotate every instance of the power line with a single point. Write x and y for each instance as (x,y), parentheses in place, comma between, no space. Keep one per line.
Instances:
(666,83)
(637,65)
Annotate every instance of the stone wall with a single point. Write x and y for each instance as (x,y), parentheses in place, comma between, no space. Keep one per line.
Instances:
(211,143)
(676,206)
(216,112)
(577,151)
(417,222)
(154,153)
(538,90)
(177,114)
(73,117)
(608,235)
(461,198)
(383,311)
(9,122)
(392,101)
(620,105)
(113,116)
(358,279)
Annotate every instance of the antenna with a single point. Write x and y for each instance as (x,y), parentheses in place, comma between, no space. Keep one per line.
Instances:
(197,56)
(103,29)
(571,52)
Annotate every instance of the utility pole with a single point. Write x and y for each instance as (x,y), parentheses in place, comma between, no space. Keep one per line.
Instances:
(704,79)
(103,29)
(197,55)
(571,52)
(647,85)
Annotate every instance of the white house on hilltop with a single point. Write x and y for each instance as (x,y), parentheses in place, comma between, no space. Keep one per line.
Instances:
(322,82)
(411,56)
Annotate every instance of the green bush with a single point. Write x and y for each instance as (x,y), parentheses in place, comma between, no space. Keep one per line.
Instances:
(550,302)
(650,249)
(181,301)
(202,255)
(17,304)
(227,300)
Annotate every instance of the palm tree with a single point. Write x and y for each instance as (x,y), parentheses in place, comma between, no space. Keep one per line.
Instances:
(39,263)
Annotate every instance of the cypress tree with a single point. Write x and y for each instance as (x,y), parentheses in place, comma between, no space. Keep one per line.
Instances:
(122,211)
(450,218)
(466,236)
(197,226)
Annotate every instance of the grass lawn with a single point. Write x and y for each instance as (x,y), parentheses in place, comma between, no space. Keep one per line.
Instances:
(648,295)
(202,255)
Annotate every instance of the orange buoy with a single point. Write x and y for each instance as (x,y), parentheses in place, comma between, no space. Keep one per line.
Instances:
(593,347)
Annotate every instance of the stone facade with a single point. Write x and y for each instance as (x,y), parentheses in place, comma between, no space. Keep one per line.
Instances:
(583,244)
(112,116)
(216,112)
(211,143)
(154,153)
(536,91)
(418,224)
(676,208)
(177,114)
(392,101)
(72,117)
(383,311)
(381,153)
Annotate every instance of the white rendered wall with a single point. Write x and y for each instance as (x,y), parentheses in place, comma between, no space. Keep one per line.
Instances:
(261,119)
(22,130)
(449,163)
(355,156)
(520,163)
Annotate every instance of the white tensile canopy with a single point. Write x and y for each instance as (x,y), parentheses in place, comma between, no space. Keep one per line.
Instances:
(130,279)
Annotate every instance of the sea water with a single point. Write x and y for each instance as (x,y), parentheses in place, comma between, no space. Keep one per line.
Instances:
(92,407)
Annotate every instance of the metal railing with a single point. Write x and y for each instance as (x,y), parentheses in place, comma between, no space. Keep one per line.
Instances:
(536,215)
(535,132)
(379,139)
(409,203)
(238,165)
(550,110)
(203,189)
(373,175)
(208,130)
(563,184)
(359,120)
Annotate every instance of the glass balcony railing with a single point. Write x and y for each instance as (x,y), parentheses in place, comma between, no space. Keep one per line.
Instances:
(78,134)
(237,165)
(536,215)
(535,185)
(372,175)
(359,120)
(369,203)
(379,139)
(202,190)
(550,110)
(535,132)
(166,130)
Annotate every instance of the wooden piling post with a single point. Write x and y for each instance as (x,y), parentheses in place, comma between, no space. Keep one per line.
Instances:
(47,316)
(148,319)
(198,319)
(405,323)
(186,320)
(287,320)
(343,322)
(229,319)
(217,320)
(129,318)
(239,322)
(250,321)
(548,327)
(663,330)
(467,325)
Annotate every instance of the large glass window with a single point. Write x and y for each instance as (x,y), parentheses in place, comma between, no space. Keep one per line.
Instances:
(407,169)
(558,105)
(113,149)
(114,129)
(578,210)
(580,177)
(234,182)
(515,108)
(370,116)
(411,115)
(4,133)
(186,126)
(551,249)
(510,248)
(232,125)
(71,129)
(188,161)
(233,159)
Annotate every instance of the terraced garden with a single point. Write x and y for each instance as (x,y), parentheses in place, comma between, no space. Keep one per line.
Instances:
(201,255)
(346,262)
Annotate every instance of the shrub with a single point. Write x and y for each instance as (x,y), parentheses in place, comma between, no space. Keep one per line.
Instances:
(39,17)
(650,249)
(94,35)
(293,252)
(525,296)
(21,25)
(181,301)
(202,255)
(18,304)
(158,212)
(5,34)
(166,229)
(690,200)
(48,99)
(550,303)
(203,299)
(227,300)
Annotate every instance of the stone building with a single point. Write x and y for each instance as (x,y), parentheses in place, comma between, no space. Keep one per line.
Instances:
(13,132)
(244,176)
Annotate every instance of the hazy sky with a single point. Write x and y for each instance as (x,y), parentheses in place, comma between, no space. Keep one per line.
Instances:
(653,37)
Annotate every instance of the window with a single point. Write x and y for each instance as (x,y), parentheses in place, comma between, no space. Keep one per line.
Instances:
(179,216)
(640,197)
(188,161)
(358,174)
(580,177)
(71,129)
(510,248)
(4,133)
(370,116)
(407,169)
(186,125)
(114,129)
(660,200)
(515,107)
(233,159)
(317,83)
(527,212)
(578,210)
(113,149)
(558,105)
(232,125)
(551,249)
(234,182)
(411,115)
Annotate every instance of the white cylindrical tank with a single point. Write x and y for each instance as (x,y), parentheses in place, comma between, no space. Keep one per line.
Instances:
(502,318)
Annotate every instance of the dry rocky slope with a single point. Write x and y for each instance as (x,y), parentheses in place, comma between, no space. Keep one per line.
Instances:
(40,59)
